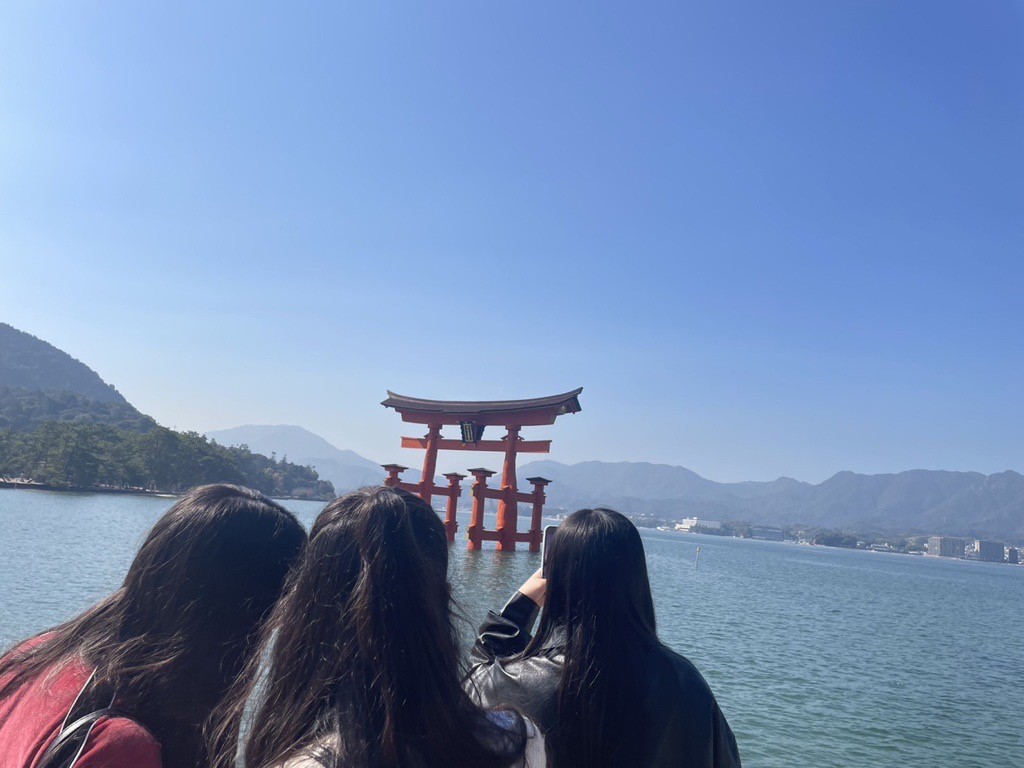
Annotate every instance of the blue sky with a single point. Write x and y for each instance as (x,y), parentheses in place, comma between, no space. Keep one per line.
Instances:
(767,238)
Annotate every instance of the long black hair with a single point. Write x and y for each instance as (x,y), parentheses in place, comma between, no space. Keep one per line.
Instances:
(359,664)
(599,604)
(172,639)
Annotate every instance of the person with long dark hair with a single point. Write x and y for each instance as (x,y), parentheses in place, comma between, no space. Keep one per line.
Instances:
(163,649)
(597,680)
(359,664)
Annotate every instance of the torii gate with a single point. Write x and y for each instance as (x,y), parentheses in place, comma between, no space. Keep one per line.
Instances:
(472,418)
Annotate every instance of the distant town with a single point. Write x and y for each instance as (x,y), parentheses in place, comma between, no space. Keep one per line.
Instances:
(933,546)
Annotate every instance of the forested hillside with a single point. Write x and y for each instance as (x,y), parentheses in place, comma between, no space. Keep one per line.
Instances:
(40,383)
(23,410)
(33,364)
(62,426)
(65,455)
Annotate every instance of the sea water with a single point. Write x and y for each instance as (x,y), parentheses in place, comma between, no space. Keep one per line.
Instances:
(818,657)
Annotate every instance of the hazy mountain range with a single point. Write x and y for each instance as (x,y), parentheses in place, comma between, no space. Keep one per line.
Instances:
(918,501)
(40,383)
(915,502)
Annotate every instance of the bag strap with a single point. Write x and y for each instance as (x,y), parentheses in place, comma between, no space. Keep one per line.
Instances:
(69,745)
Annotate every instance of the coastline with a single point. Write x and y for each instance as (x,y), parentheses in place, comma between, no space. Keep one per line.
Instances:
(793,544)
(27,485)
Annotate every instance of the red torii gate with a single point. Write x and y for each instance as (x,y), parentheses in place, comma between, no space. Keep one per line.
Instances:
(472,418)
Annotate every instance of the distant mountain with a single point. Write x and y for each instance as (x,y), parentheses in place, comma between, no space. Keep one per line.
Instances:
(345,469)
(914,502)
(40,383)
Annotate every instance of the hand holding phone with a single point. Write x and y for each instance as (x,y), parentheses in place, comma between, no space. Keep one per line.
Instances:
(545,548)
(535,588)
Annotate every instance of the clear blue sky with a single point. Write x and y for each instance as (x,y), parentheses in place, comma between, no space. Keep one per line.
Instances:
(768,238)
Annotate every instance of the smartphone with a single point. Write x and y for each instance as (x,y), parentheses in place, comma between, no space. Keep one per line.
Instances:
(545,547)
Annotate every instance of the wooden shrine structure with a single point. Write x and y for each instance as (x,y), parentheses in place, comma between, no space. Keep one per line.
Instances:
(472,418)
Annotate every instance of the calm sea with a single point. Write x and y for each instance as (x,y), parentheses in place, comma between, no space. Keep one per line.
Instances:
(818,657)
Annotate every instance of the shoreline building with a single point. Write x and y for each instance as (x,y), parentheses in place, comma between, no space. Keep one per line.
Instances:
(1013,556)
(695,524)
(990,551)
(946,546)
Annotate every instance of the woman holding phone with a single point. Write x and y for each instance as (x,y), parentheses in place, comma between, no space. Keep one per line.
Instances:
(596,679)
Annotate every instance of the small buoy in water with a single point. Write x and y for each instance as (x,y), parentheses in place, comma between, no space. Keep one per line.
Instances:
(697,561)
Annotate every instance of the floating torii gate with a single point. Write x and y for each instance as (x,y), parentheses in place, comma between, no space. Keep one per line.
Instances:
(472,418)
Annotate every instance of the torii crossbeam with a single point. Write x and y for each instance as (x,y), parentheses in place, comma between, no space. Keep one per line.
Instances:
(472,417)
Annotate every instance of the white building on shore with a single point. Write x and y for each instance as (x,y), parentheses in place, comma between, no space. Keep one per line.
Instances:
(688,524)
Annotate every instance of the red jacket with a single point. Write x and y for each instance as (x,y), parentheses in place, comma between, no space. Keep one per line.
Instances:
(31,718)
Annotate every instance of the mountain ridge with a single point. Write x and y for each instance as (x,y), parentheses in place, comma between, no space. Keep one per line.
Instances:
(915,501)
(41,383)
(30,363)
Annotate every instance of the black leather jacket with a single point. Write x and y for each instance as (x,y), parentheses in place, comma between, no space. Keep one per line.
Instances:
(692,731)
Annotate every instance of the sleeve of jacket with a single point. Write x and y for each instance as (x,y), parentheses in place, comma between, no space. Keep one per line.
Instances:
(726,753)
(506,633)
